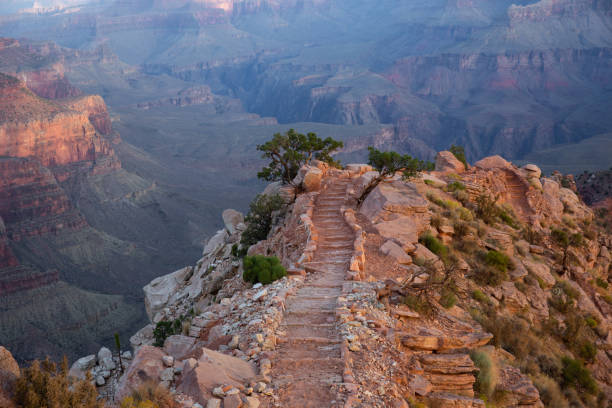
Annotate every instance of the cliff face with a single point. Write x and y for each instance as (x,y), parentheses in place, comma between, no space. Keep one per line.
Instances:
(31,201)
(7,258)
(58,137)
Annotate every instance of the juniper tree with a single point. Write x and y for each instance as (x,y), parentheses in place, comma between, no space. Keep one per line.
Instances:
(289,151)
(389,163)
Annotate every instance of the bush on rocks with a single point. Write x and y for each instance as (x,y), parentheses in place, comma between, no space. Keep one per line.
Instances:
(149,395)
(575,374)
(165,329)
(259,219)
(434,245)
(44,384)
(263,269)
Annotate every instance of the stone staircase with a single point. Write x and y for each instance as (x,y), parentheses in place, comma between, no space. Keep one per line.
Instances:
(307,369)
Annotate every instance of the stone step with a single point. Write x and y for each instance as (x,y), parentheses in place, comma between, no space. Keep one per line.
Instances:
(306,380)
(318,341)
(306,330)
(305,367)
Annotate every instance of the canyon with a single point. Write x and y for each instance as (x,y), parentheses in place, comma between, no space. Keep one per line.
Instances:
(127,126)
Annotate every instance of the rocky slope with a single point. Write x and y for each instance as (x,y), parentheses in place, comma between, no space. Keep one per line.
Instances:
(429,291)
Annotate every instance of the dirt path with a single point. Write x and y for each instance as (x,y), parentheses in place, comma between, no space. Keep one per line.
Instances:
(308,363)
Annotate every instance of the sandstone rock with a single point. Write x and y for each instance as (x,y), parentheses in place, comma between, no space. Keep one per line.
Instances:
(232,401)
(158,292)
(80,367)
(216,242)
(142,337)
(167,374)
(233,220)
(213,403)
(435,340)
(178,346)
(519,270)
(446,163)
(448,400)
(210,370)
(502,240)
(513,299)
(394,251)
(540,270)
(493,162)
(533,171)
(286,192)
(447,363)
(392,199)
(168,361)
(312,179)
(252,402)
(146,366)
(9,371)
(425,254)
(105,359)
(519,390)
(403,231)
(419,385)
(358,169)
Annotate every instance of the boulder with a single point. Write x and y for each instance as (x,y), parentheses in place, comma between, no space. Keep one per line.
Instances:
(216,242)
(396,252)
(448,400)
(212,368)
(233,220)
(540,270)
(532,171)
(9,372)
(396,198)
(447,163)
(493,162)
(358,169)
(146,366)
(514,300)
(436,340)
(158,292)
(105,359)
(286,192)
(518,388)
(312,179)
(403,231)
(80,367)
(178,346)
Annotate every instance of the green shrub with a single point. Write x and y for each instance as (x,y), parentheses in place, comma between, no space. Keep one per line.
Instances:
(497,260)
(417,304)
(560,237)
(434,245)
(455,186)
(165,329)
(462,196)
(488,275)
(239,251)
(480,296)
(575,374)
(448,298)
(459,153)
(486,208)
(429,182)
(608,299)
(591,322)
(588,351)
(461,228)
(508,219)
(465,214)
(550,392)
(264,269)
(601,283)
(259,218)
(488,374)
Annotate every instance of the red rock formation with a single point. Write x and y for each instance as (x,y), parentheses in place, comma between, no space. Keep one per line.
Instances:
(96,110)
(7,258)
(31,201)
(56,136)
(20,278)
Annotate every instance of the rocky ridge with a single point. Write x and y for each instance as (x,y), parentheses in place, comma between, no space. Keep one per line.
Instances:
(348,327)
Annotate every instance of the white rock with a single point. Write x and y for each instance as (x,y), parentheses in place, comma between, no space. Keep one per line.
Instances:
(232,219)
(158,291)
(100,381)
(167,374)
(82,365)
(396,252)
(257,285)
(213,403)
(215,243)
(168,361)
(127,355)
(260,295)
(104,353)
